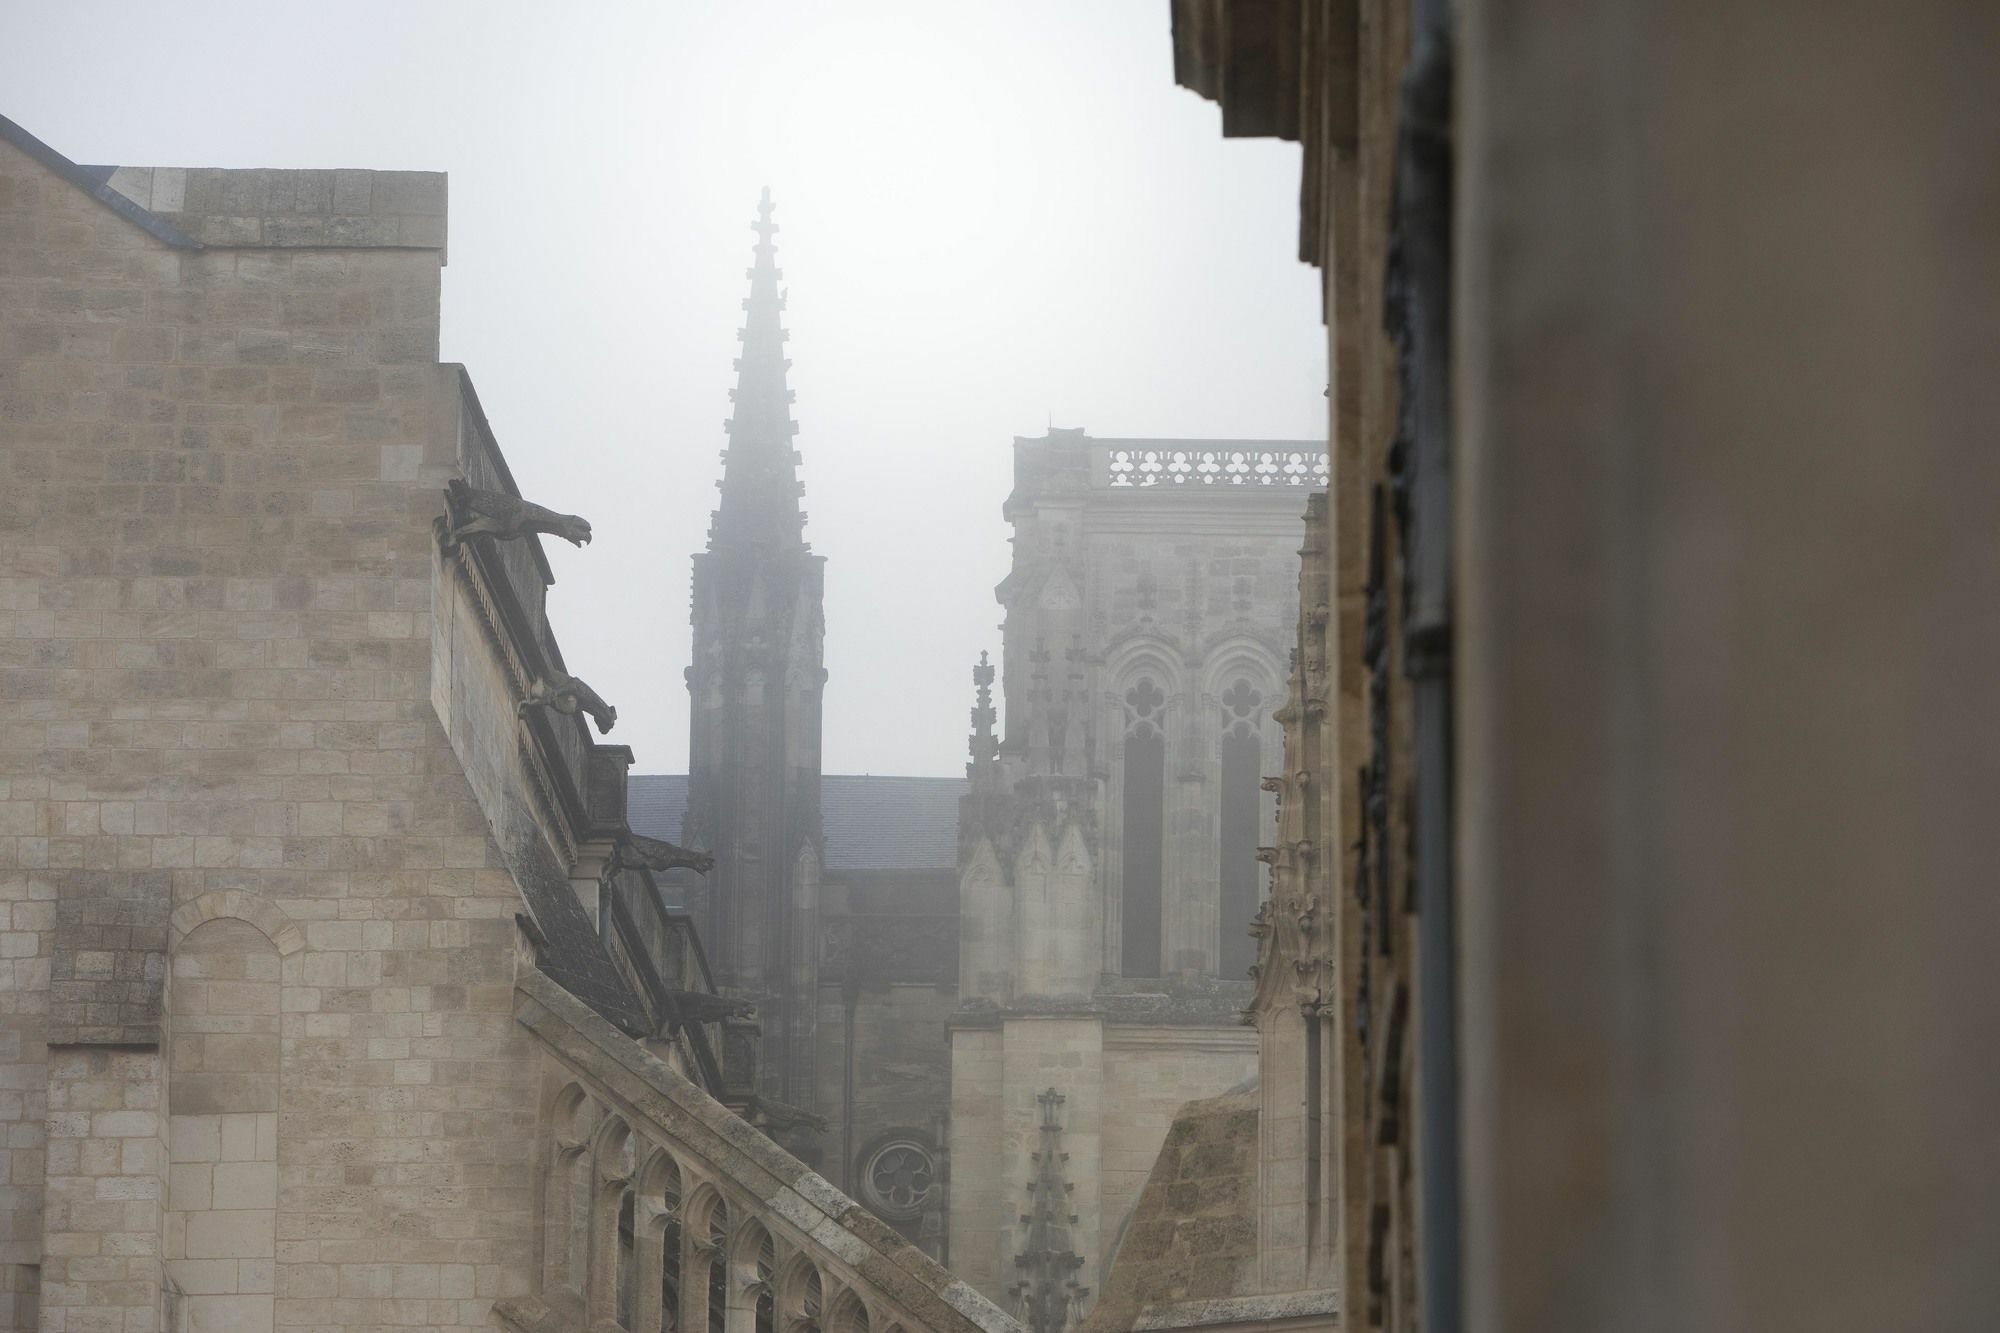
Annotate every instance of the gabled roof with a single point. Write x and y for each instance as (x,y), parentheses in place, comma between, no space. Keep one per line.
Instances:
(95,182)
(870,822)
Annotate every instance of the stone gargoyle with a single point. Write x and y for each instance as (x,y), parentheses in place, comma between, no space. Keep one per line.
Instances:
(639,852)
(567,694)
(689,1006)
(476,513)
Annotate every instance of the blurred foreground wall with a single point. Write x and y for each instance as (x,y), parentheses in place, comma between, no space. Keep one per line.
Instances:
(1634,895)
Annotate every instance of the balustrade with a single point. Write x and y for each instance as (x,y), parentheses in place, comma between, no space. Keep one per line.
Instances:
(1213,467)
(666,1212)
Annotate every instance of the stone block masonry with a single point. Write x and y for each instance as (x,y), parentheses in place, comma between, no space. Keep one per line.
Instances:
(272,1048)
(219,458)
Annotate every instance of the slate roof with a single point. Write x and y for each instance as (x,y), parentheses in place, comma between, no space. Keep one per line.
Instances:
(870,822)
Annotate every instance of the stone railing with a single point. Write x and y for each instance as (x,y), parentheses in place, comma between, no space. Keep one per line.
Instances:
(1136,467)
(661,1210)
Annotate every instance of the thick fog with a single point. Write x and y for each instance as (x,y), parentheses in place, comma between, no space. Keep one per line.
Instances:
(994,217)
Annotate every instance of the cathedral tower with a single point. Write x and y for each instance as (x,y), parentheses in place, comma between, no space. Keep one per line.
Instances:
(1108,865)
(755,685)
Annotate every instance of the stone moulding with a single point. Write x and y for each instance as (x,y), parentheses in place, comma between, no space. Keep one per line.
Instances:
(756,1177)
(280,929)
(1296,1309)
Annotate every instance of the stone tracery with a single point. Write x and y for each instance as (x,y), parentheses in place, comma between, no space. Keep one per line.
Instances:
(1216,467)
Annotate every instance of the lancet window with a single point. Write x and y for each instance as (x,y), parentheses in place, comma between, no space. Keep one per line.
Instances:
(1242,753)
(767,1274)
(1143,827)
(664,1188)
(718,1267)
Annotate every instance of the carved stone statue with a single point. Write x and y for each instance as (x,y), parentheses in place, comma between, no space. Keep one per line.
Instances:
(639,852)
(503,517)
(567,694)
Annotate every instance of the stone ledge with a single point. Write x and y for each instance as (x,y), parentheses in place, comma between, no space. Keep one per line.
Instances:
(1288,1309)
(290,209)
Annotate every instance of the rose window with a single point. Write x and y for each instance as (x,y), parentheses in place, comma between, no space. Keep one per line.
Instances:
(897,1179)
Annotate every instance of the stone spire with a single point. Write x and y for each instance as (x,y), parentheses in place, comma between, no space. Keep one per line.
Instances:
(755,689)
(760,484)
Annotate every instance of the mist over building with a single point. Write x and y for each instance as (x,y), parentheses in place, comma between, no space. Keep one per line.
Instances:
(1519,862)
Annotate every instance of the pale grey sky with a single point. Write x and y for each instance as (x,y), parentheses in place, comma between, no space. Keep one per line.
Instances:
(994,215)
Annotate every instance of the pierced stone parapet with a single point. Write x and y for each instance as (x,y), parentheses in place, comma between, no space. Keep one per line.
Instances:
(1215,467)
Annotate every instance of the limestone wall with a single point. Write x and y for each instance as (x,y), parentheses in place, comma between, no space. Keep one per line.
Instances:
(900,1062)
(1122,1085)
(1149,1073)
(216,483)
(977,1197)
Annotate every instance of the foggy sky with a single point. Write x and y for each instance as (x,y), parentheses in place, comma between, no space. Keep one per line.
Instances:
(993,216)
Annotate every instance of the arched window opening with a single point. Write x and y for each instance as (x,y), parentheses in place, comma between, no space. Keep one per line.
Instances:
(577,1267)
(849,1315)
(610,1212)
(628,1271)
(811,1301)
(573,1119)
(1144,827)
(670,1245)
(1242,758)
(718,1267)
(767,1276)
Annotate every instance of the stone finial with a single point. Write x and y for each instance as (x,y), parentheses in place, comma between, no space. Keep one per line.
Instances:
(984,770)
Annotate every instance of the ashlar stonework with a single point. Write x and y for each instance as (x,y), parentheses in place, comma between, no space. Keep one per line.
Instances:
(305,924)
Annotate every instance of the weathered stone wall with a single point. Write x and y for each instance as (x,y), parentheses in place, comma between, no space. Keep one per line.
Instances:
(220,467)
(1193,1233)
(1709,453)
(1122,1085)
(1149,1073)
(1727,872)
(979,1196)
(900,1063)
